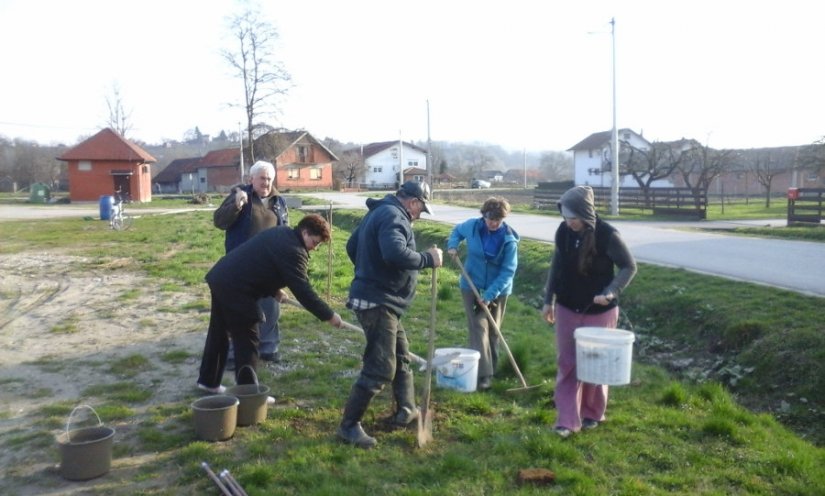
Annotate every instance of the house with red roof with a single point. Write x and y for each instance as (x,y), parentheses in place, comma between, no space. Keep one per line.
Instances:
(177,177)
(300,160)
(106,164)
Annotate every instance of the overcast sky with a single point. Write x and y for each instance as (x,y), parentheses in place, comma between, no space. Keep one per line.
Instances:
(534,74)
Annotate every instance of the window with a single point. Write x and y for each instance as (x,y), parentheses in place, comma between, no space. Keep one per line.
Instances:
(394,153)
(293,173)
(377,169)
(84,165)
(412,163)
(315,173)
(303,154)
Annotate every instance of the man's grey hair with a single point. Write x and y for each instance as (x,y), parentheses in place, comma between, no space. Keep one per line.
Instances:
(261,165)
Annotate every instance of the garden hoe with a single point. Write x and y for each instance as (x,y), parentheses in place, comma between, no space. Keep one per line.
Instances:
(425,418)
(494,325)
(441,360)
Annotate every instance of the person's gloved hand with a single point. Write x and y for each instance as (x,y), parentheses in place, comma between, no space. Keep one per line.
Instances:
(240,198)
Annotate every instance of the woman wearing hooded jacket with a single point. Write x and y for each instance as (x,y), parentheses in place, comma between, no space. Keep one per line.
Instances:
(582,290)
(492,259)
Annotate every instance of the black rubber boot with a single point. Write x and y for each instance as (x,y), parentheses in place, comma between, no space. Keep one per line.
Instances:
(403,391)
(350,430)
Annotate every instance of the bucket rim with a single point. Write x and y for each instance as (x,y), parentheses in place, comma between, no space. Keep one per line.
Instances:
(261,390)
(606,335)
(65,438)
(232,400)
(463,352)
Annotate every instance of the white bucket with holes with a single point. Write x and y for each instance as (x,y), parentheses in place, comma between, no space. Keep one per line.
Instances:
(604,355)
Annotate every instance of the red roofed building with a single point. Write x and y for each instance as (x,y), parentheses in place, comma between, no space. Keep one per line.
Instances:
(106,163)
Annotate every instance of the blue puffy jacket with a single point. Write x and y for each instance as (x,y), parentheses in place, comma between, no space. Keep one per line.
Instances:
(491,276)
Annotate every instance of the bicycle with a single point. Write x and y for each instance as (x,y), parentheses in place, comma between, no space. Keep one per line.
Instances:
(118,219)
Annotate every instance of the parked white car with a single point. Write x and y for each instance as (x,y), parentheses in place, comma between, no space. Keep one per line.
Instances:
(480,184)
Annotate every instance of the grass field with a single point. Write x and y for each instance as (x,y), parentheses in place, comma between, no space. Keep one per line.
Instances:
(725,396)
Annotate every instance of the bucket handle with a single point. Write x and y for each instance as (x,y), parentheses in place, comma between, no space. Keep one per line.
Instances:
(456,376)
(71,415)
(254,375)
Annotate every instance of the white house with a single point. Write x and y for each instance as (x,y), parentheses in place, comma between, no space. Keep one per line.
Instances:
(592,156)
(385,162)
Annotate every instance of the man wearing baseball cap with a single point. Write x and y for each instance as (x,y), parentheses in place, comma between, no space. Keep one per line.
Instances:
(383,250)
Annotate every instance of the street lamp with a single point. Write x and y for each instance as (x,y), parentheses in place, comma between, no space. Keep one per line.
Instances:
(614,189)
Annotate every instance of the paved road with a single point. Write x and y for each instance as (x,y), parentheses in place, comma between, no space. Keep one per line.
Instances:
(795,265)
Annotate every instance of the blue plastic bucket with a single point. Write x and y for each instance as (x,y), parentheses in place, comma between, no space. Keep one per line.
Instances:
(106,204)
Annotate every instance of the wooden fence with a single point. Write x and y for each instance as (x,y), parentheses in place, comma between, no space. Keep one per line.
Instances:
(805,206)
(661,201)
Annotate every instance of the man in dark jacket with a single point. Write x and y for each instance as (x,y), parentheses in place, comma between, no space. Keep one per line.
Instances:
(246,211)
(382,248)
(273,259)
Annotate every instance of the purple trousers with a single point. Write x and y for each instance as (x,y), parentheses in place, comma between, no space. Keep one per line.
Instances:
(577,400)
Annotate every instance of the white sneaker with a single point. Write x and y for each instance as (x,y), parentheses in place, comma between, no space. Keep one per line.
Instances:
(214,390)
(563,432)
(270,400)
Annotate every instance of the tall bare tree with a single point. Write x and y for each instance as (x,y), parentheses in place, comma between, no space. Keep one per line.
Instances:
(812,158)
(119,118)
(700,166)
(658,162)
(253,61)
(556,166)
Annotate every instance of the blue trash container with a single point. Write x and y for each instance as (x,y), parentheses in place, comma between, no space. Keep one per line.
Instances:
(106,204)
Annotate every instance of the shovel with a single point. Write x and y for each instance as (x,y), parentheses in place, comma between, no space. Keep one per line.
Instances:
(494,325)
(425,418)
(422,364)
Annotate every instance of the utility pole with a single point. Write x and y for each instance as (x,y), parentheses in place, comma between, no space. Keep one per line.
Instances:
(525,168)
(614,189)
(429,154)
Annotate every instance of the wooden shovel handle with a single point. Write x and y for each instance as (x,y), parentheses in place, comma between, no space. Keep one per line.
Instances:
(492,321)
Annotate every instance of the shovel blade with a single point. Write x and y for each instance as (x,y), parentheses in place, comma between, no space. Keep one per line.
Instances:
(425,427)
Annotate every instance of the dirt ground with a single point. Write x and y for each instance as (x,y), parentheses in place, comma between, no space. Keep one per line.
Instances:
(62,327)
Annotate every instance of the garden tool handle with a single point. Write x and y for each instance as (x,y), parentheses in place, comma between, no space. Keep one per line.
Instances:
(415,358)
(491,320)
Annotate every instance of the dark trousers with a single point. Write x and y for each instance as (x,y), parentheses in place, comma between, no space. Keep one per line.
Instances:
(386,356)
(224,323)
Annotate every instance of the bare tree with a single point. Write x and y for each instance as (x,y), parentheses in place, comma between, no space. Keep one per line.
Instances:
(119,118)
(700,166)
(253,61)
(767,163)
(556,166)
(812,158)
(658,162)
(350,168)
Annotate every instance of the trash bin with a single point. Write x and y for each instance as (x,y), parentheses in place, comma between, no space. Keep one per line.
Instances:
(39,193)
(106,204)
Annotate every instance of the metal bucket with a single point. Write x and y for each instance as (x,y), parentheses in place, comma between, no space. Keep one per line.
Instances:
(215,417)
(85,453)
(252,398)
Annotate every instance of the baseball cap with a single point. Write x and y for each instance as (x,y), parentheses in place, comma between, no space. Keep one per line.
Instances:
(418,190)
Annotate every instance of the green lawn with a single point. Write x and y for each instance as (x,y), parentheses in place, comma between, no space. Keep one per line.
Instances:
(741,414)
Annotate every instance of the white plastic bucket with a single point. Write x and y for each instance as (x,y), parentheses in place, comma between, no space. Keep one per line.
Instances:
(460,373)
(603,356)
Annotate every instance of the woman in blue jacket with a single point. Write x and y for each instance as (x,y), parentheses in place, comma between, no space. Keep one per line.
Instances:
(491,262)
